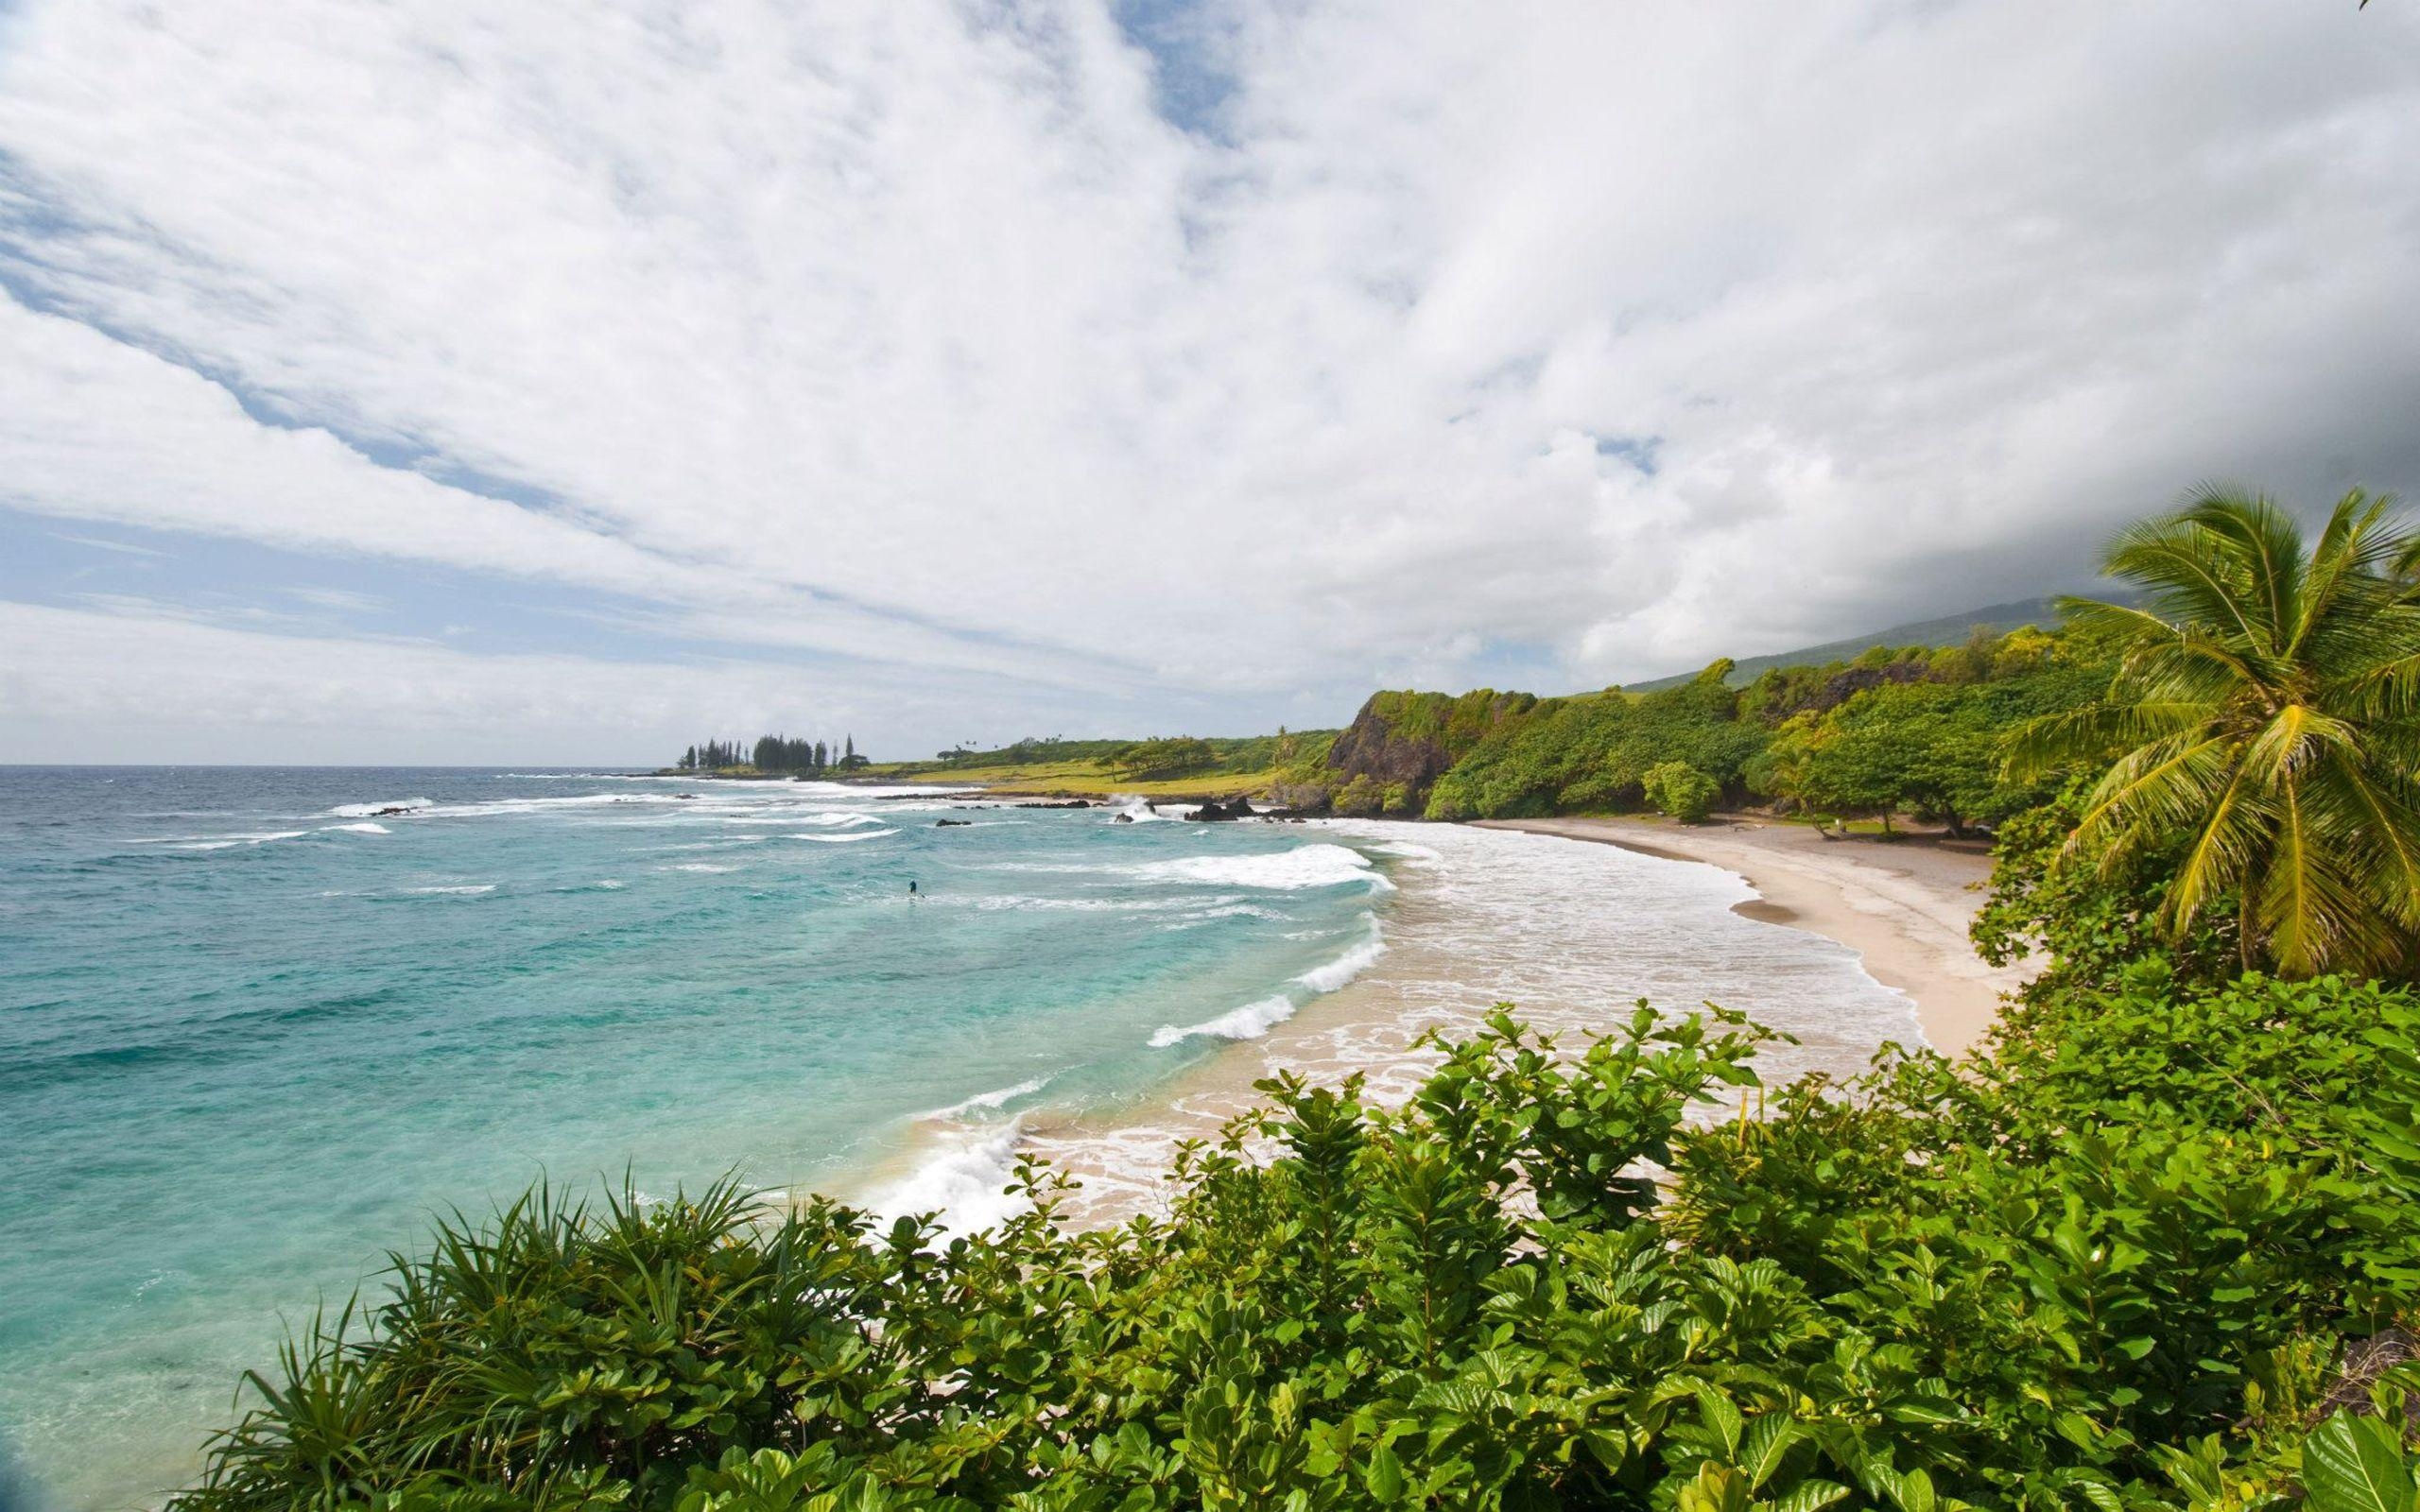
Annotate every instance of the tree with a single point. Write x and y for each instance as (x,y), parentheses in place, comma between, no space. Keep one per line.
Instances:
(1148,759)
(1681,791)
(2266,706)
(1853,768)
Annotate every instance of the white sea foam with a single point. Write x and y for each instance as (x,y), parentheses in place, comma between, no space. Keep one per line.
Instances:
(990,1100)
(1148,811)
(843,839)
(1304,866)
(1308,866)
(834,818)
(219,842)
(1349,965)
(1250,1022)
(610,885)
(697,865)
(424,808)
(354,829)
(586,777)
(964,1179)
(466,890)
(1253,1020)
(1095,905)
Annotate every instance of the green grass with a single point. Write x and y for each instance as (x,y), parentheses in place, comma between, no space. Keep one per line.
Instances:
(1082,777)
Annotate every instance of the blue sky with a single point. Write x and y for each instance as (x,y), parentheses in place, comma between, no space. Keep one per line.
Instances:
(555,383)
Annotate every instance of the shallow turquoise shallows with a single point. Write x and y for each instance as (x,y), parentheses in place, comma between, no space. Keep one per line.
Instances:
(257,1024)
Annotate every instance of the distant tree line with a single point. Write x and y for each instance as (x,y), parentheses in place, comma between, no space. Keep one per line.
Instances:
(773,754)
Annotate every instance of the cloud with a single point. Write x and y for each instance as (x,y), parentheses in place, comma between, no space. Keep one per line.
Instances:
(132,680)
(339,598)
(919,335)
(121,548)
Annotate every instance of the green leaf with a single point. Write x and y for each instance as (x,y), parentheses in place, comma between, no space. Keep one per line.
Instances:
(1768,1439)
(1383,1476)
(1809,1496)
(2356,1465)
(1722,1417)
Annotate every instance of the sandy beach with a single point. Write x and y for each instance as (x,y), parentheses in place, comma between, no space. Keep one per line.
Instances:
(1572,933)
(1903,906)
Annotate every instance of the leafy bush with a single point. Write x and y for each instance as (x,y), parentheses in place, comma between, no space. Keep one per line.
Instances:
(1594,750)
(1681,790)
(2108,1269)
(1151,759)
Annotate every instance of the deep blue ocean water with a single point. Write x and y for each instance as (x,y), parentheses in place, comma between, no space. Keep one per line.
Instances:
(254,1031)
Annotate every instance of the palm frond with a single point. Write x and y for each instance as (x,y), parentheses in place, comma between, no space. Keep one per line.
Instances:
(2092,734)
(2266,546)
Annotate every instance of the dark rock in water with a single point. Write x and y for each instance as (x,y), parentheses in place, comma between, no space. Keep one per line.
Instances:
(1123,818)
(951,824)
(388,814)
(1214,812)
(1059,803)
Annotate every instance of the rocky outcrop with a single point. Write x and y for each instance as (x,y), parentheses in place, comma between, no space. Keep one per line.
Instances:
(1213,812)
(1401,742)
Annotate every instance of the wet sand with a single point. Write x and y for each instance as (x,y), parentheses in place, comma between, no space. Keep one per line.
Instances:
(1903,906)
(1572,935)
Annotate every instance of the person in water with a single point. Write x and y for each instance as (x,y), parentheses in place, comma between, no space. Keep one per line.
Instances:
(912,886)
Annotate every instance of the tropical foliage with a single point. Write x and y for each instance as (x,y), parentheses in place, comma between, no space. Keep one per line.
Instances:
(2128,1262)
(1909,730)
(1174,756)
(2266,717)
(2155,1249)
(1681,790)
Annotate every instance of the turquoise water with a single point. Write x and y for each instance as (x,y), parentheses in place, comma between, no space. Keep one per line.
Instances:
(253,1031)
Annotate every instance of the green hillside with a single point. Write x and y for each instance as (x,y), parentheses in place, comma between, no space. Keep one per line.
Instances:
(1948,631)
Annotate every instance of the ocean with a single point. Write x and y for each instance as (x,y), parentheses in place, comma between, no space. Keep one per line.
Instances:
(257,1025)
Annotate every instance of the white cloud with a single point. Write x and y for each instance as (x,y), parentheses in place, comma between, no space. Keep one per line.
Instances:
(911,331)
(337,598)
(120,547)
(130,679)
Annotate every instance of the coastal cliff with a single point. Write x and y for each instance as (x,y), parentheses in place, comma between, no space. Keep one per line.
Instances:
(1396,747)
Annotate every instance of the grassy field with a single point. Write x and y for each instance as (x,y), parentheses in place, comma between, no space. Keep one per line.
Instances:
(1245,765)
(1078,777)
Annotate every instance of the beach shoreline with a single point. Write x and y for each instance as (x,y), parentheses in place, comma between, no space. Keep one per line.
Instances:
(1566,936)
(1903,906)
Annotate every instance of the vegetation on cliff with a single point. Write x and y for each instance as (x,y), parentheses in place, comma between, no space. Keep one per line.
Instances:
(1913,730)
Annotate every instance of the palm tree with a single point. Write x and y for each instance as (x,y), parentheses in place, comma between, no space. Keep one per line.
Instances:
(2266,715)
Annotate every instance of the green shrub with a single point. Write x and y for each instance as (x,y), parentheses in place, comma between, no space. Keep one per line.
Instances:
(2109,1269)
(1681,791)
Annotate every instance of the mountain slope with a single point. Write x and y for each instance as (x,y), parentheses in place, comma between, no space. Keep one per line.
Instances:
(1948,631)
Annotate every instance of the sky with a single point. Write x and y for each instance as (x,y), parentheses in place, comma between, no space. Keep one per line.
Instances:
(557,384)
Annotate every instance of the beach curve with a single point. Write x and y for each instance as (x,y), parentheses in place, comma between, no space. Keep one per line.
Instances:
(1903,906)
